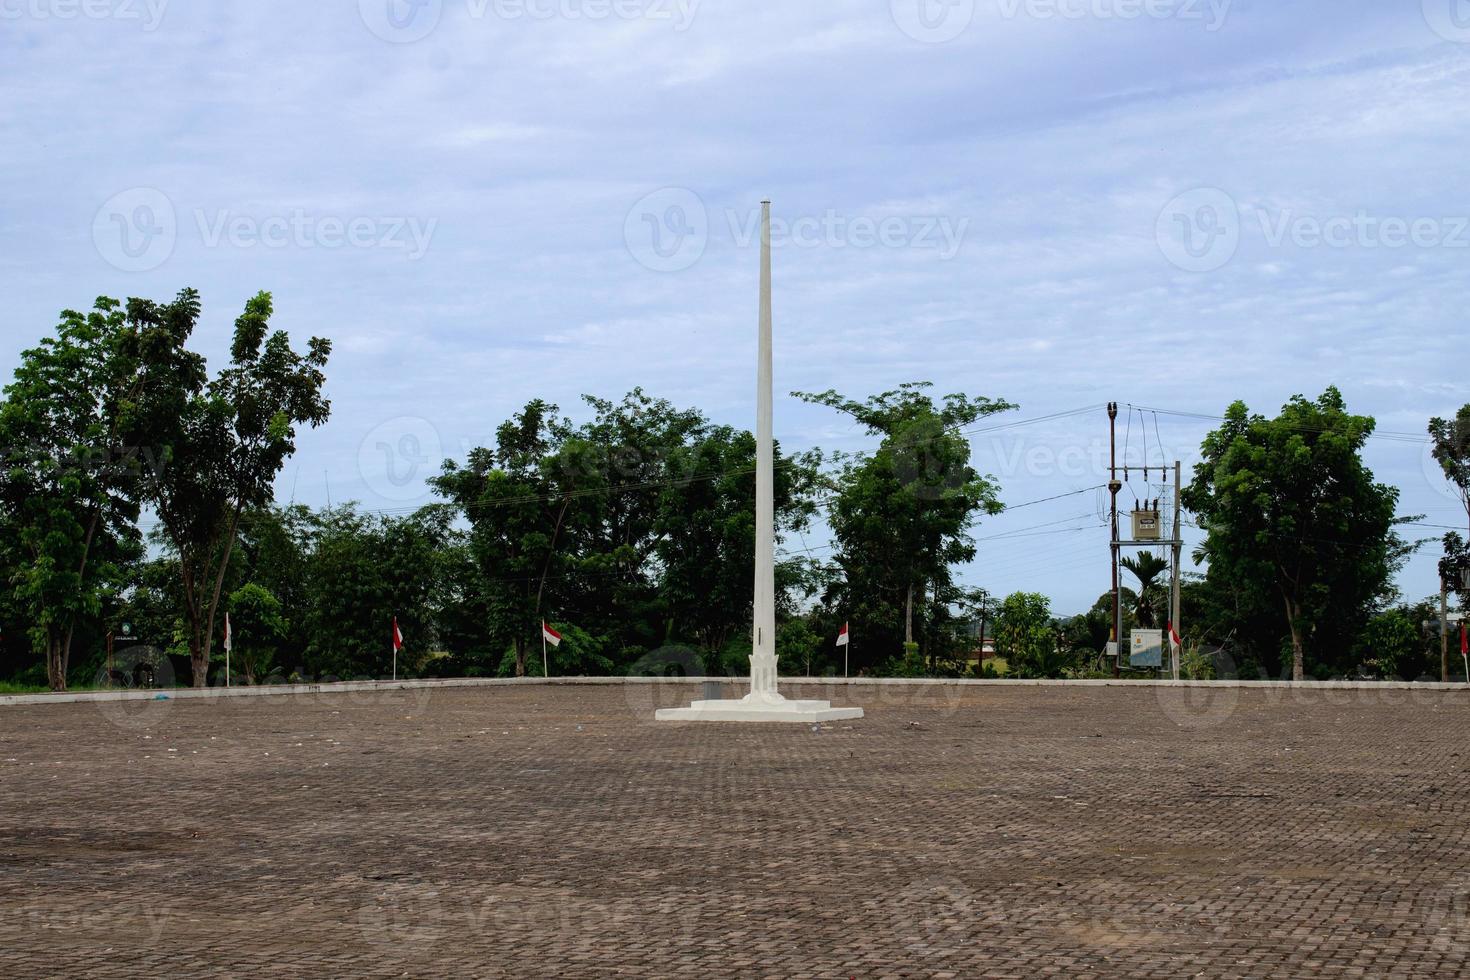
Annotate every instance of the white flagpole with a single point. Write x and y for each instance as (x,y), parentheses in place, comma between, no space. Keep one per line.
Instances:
(545,670)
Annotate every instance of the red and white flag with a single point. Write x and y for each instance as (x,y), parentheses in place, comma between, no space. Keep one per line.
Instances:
(397,636)
(1174,640)
(842,636)
(229,634)
(550,635)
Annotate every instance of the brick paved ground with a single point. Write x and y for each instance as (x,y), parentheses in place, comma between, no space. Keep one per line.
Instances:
(557,832)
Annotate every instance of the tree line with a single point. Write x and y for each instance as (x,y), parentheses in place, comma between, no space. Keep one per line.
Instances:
(136,501)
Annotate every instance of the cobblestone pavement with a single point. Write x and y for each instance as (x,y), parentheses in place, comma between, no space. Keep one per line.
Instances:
(536,831)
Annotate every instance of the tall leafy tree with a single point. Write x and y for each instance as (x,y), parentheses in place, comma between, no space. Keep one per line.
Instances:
(74,425)
(901,516)
(706,524)
(224,448)
(363,571)
(1294,517)
(517,499)
(1452,451)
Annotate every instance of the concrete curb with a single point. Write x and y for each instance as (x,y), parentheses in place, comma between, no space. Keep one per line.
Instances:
(348,687)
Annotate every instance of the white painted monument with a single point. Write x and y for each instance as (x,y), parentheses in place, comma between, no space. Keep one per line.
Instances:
(764,702)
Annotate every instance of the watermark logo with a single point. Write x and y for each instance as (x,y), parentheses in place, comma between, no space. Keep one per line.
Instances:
(136,230)
(405,920)
(1450,19)
(1202,704)
(1447,915)
(302,230)
(396,458)
(401,21)
(1210,13)
(407,21)
(145,671)
(1435,475)
(668,230)
(934,917)
(1199,231)
(148,13)
(933,21)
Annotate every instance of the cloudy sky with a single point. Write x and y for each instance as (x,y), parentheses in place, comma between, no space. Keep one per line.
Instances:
(1168,203)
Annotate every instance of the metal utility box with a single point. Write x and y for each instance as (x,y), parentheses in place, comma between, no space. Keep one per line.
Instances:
(1147,648)
(1147,526)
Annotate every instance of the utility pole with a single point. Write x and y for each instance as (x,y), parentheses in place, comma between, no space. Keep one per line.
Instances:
(984,613)
(1114,487)
(1175,604)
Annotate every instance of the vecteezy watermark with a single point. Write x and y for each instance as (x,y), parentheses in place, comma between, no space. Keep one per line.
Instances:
(934,917)
(1450,19)
(406,21)
(1201,230)
(670,229)
(938,21)
(138,230)
(1212,14)
(300,229)
(1447,915)
(148,13)
(396,457)
(932,21)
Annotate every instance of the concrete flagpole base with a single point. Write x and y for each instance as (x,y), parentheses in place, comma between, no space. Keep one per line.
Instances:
(753,709)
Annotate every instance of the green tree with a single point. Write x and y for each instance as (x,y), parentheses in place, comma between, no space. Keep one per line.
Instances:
(257,627)
(363,571)
(517,499)
(1291,512)
(70,426)
(706,533)
(1027,638)
(901,516)
(224,446)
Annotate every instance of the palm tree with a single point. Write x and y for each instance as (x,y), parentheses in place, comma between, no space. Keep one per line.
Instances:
(1147,567)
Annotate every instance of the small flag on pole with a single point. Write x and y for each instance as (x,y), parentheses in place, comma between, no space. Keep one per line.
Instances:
(550,635)
(1174,640)
(1464,641)
(229,635)
(842,636)
(397,636)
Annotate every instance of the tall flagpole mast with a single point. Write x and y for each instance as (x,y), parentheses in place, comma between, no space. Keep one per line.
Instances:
(763,656)
(764,703)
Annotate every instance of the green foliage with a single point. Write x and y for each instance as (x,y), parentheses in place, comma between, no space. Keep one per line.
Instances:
(799,650)
(902,516)
(223,443)
(1152,594)
(1027,639)
(68,483)
(1295,521)
(1391,645)
(257,628)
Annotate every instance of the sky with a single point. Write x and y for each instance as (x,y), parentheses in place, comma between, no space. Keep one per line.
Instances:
(1170,204)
